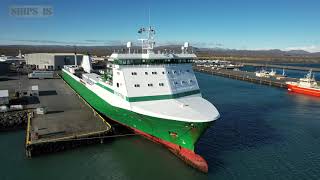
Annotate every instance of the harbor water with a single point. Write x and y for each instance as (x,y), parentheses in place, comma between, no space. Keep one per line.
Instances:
(264,133)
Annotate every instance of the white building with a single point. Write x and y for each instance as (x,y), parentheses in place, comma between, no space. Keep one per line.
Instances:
(52,61)
(35,90)
(4,97)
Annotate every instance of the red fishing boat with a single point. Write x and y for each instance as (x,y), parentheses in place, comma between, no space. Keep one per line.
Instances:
(307,85)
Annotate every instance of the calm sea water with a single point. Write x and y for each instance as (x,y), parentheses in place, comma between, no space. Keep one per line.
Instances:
(263,133)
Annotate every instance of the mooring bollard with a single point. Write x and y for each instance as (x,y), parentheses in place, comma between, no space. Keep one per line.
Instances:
(28,152)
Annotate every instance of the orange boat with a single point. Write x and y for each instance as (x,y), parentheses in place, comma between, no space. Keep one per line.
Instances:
(307,85)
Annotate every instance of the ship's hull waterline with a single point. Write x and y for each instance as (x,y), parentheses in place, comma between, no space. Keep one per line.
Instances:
(178,136)
(301,90)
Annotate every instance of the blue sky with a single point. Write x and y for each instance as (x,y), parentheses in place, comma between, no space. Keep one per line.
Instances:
(236,24)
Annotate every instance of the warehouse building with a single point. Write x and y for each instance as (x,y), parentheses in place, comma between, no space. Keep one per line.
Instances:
(4,97)
(52,61)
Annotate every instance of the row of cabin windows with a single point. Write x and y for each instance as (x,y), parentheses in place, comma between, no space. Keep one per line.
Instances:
(184,82)
(179,72)
(149,85)
(162,84)
(154,72)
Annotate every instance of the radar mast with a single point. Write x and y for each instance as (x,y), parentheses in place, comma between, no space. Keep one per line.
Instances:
(148,43)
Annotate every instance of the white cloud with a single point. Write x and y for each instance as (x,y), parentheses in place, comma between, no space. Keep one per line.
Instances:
(311,48)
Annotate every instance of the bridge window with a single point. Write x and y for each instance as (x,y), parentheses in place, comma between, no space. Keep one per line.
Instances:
(146,73)
(137,85)
(161,84)
(118,85)
(154,72)
(183,82)
(150,85)
(134,73)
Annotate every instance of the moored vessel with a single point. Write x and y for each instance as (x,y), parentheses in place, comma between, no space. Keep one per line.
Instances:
(262,73)
(306,85)
(155,94)
(266,74)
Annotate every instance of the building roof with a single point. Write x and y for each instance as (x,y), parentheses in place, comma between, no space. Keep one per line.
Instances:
(4,93)
(57,54)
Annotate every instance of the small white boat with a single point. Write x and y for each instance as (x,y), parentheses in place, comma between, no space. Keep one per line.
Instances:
(272,72)
(262,73)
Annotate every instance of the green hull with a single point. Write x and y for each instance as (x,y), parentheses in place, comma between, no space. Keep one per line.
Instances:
(177,132)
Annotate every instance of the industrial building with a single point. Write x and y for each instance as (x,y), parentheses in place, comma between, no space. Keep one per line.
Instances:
(52,61)
(4,97)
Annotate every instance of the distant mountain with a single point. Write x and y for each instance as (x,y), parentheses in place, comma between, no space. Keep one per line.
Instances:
(107,50)
(298,52)
(257,53)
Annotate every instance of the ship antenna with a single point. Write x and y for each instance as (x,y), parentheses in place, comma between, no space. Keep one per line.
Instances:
(149,18)
(148,42)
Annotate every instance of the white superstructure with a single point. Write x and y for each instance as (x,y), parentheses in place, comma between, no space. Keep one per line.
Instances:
(160,85)
(307,82)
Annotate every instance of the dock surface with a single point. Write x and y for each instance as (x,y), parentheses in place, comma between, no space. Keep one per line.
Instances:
(67,117)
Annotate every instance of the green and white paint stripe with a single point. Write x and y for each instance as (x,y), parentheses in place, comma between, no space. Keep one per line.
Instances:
(152,98)
(186,133)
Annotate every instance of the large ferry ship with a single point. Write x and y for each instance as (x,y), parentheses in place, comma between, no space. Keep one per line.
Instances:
(307,85)
(155,94)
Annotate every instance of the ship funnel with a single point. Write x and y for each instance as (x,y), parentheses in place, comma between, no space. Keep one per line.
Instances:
(86,63)
(75,56)
(185,46)
(75,59)
(182,49)
(129,45)
(19,55)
